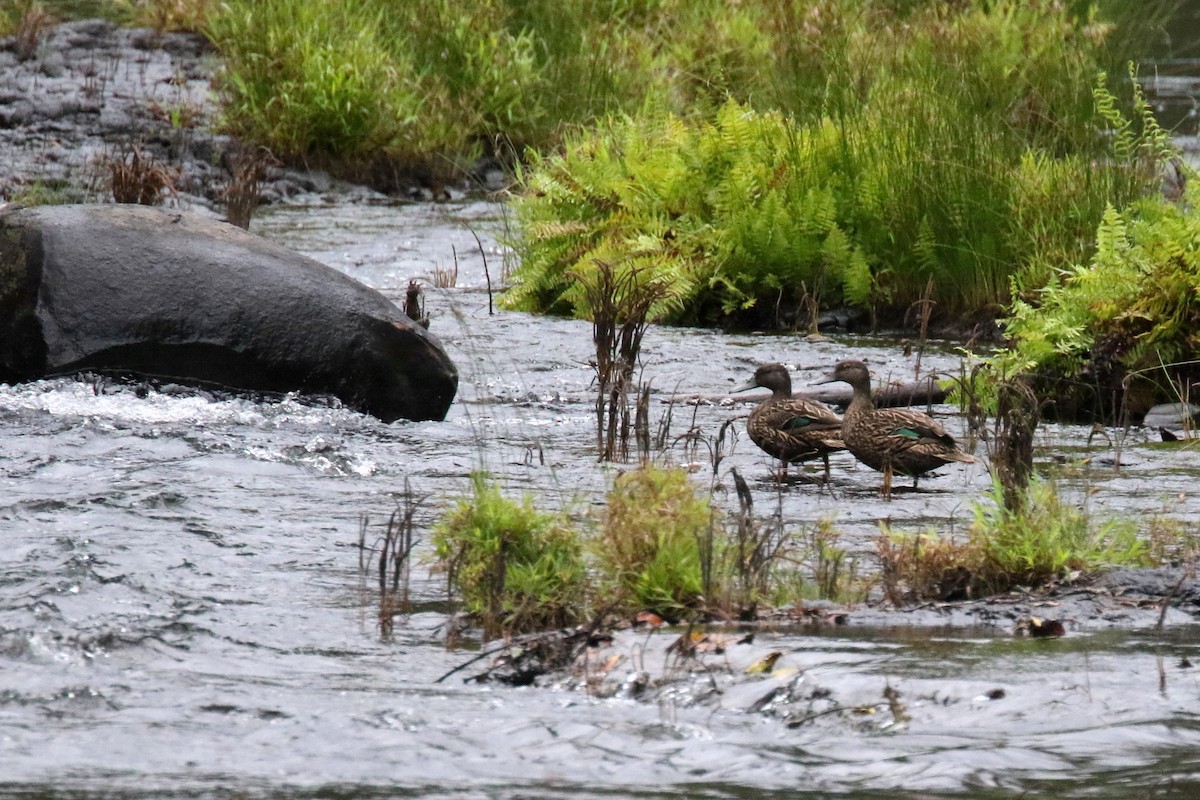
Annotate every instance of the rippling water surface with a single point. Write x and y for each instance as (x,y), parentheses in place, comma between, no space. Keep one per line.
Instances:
(183,613)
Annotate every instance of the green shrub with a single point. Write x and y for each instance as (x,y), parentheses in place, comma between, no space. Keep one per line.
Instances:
(967,157)
(1121,325)
(516,569)
(1044,541)
(1048,538)
(651,545)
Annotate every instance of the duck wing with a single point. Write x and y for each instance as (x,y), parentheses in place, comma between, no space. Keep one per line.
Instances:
(796,429)
(800,417)
(921,434)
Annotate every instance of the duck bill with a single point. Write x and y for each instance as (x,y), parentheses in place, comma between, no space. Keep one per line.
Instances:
(745,387)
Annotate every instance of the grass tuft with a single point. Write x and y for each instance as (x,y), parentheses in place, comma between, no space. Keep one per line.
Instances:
(1036,544)
(650,545)
(515,569)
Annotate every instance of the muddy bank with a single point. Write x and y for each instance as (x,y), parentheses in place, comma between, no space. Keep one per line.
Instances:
(588,658)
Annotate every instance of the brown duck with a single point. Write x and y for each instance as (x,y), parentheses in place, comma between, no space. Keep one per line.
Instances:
(792,429)
(891,439)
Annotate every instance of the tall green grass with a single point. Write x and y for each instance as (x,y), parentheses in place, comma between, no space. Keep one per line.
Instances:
(428,86)
(761,153)
(960,148)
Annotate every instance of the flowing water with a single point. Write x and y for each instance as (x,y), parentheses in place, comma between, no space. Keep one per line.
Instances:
(183,610)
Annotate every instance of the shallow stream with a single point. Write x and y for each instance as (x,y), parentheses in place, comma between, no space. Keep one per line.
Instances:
(183,612)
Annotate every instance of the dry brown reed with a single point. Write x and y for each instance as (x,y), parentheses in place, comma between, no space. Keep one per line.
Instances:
(138,178)
(248,169)
(31,30)
(389,557)
(620,303)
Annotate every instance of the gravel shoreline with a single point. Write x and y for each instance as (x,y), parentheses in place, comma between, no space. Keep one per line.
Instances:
(92,92)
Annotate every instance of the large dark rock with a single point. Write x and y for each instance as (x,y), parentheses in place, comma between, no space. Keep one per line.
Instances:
(131,289)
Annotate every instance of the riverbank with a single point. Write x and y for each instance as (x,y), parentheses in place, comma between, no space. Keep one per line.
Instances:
(92,94)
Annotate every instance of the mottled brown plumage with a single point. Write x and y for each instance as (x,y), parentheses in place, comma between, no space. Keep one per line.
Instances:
(792,429)
(891,439)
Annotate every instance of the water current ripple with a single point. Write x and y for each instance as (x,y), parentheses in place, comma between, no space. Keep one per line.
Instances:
(182,612)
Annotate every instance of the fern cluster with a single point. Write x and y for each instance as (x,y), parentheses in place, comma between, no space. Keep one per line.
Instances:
(1126,321)
(1121,323)
(715,209)
(938,155)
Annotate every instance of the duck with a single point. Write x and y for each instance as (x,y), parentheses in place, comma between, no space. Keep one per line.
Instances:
(891,440)
(791,429)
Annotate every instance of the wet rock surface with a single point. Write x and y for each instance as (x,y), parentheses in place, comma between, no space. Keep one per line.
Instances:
(89,92)
(175,296)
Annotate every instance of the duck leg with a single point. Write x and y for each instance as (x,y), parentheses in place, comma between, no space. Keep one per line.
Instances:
(887,480)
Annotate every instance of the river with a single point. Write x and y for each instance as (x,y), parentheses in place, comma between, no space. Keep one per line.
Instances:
(183,611)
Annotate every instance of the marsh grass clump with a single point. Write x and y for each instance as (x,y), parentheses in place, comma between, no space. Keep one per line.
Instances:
(620,301)
(389,557)
(44,193)
(1043,540)
(375,89)
(248,169)
(833,571)
(28,22)
(1049,537)
(652,546)
(169,15)
(138,178)
(514,568)
(754,551)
